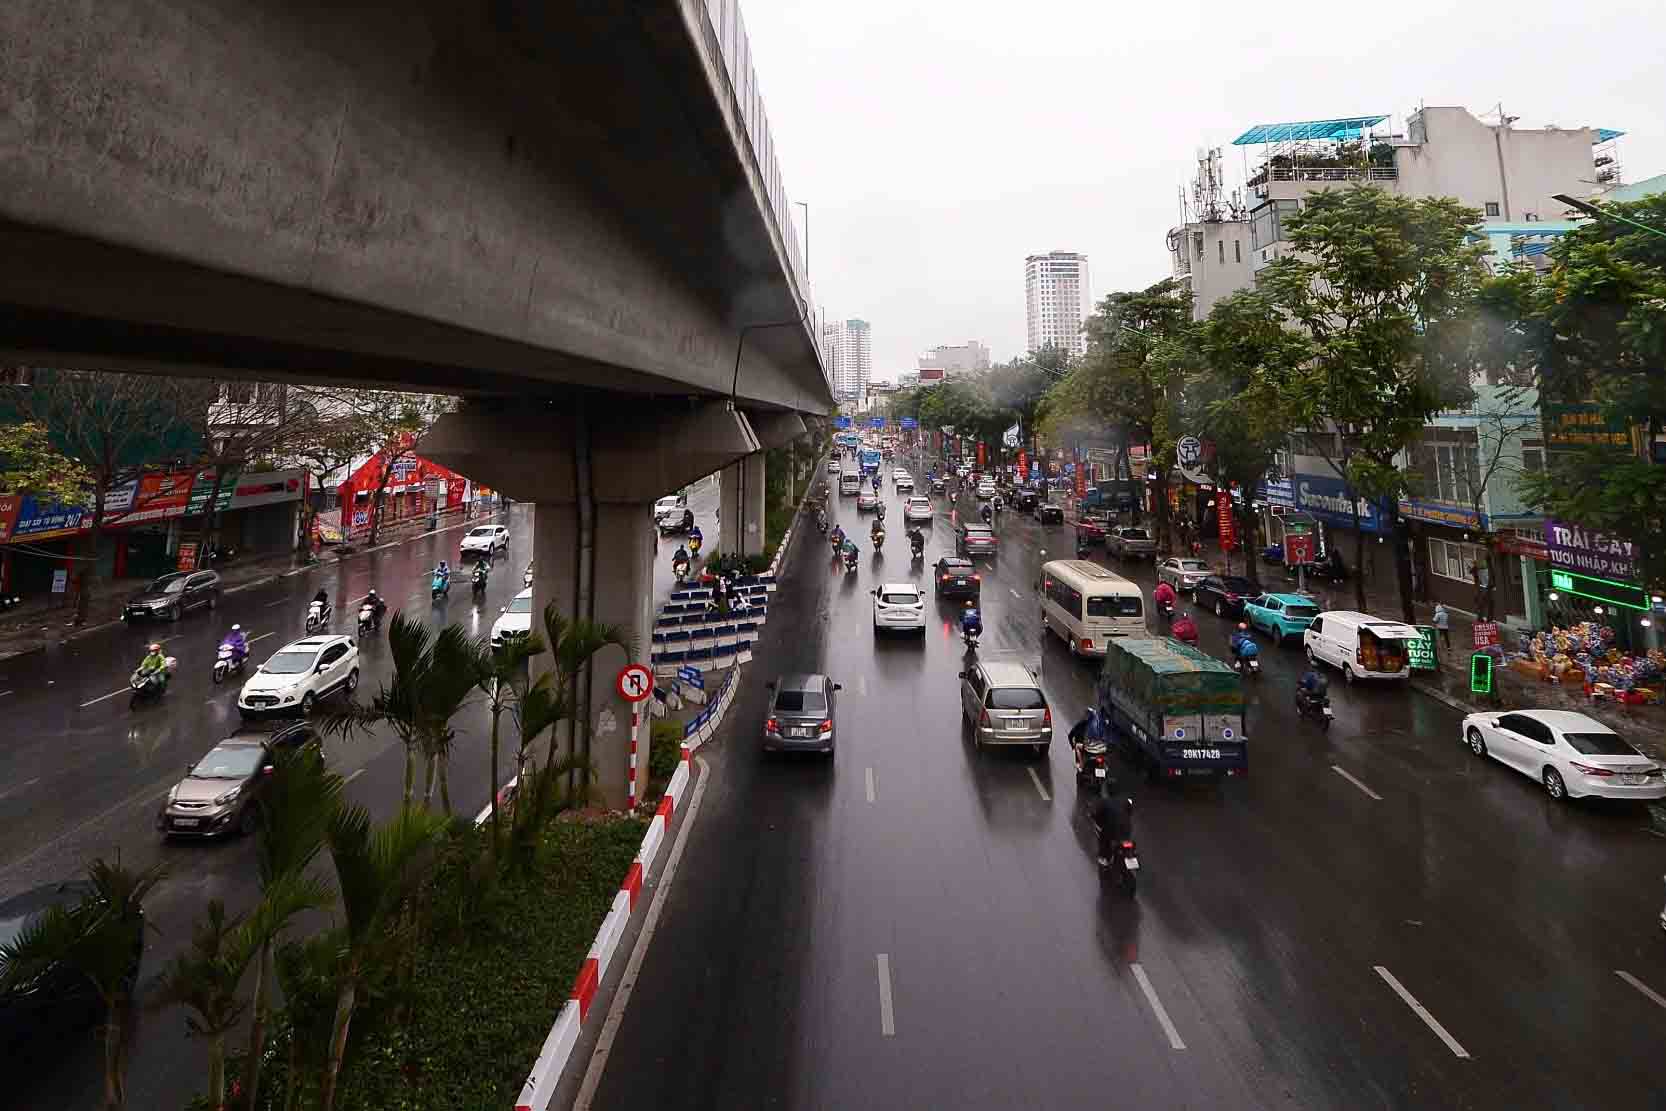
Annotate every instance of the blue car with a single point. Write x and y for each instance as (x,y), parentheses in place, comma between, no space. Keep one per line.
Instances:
(1281,615)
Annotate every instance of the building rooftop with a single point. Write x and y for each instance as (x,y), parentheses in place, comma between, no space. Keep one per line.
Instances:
(1351,127)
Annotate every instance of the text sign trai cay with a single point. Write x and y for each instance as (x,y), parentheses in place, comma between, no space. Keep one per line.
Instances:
(1593,553)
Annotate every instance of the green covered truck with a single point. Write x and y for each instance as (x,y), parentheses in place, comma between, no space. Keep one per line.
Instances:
(1173,708)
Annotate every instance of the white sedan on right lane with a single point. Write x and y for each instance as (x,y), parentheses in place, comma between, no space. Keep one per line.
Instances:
(1572,755)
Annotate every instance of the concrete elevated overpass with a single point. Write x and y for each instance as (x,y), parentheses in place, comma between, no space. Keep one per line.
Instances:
(570,214)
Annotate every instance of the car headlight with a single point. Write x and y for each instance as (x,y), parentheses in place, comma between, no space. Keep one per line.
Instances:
(173,792)
(289,698)
(229,797)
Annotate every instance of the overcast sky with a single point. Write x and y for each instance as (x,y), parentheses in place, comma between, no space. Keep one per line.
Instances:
(938,142)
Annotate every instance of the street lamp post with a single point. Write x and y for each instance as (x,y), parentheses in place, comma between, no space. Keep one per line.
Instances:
(1597,212)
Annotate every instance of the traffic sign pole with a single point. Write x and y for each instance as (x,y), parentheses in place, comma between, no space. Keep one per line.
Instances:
(630,781)
(635,683)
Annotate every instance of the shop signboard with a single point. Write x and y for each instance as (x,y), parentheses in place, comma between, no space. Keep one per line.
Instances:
(1421,652)
(1582,424)
(1298,549)
(1629,595)
(60,581)
(267,488)
(1485,634)
(1276,491)
(1533,547)
(9,506)
(1023,467)
(159,497)
(1573,548)
(187,557)
(44,519)
(980,455)
(1441,513)
(202,489)
(1223,519)
(1326,498)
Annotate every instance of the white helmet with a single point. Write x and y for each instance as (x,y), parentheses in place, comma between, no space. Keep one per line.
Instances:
(234,628)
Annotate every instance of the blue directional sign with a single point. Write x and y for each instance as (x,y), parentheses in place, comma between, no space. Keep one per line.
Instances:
(909,423)
(841,422)
(876,422)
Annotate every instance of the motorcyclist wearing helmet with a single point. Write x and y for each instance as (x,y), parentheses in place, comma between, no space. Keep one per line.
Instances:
(1184,628)
(155,664)
(1114,815)
(377,606)
(1312,685)
(971,621)
(1164,595)
(238,643)
(1240,637)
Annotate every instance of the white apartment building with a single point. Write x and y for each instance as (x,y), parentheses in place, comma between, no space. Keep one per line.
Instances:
(1057,299)
(955,359)
(847,345)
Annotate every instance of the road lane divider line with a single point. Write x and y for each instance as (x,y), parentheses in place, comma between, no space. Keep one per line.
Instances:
(887,1017)
(1157,1007)
(279,602)
(1338,770)
(352,776)
(1421,1012)
(1040,790)
(103,697)
(262,636)
(4,693)
(16,787)
(870,784)
(1654,996)
(1015,593)
(862,685)
(155,790)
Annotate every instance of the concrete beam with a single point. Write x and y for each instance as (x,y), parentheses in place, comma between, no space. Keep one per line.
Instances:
(775,428)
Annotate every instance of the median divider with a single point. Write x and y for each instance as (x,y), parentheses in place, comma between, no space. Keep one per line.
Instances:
(569,1022)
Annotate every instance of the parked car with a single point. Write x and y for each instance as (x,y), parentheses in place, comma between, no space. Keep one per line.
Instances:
(973,539)
(1571,754)
(299,674)
(802,714)
(669,503)
(1048,513)
(917,509)
(1282,615)
(1091,530)
(899,606)
(1224,594)
(485,540)
(221,792)
(1181,573)
(1001,704)
(174,595)
(956,578)
(1130,542)
(35,1016)
(1359,645)
(514,620)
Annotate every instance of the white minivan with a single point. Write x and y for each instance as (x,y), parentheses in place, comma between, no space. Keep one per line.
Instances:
(1087,605)
(1360,646)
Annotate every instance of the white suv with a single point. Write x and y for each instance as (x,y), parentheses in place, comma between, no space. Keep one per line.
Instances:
(899,606)
(515,619)
(299,674)
(917,509)
(486,540)
(902,480)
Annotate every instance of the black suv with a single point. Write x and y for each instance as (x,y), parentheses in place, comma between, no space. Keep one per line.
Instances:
(172,595)
(955,578)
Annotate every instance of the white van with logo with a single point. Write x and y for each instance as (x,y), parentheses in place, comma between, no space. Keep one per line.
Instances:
(1087,605)
(850,483)
(1359,645)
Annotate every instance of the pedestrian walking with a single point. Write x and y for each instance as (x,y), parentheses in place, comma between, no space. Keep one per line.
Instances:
(1443,621)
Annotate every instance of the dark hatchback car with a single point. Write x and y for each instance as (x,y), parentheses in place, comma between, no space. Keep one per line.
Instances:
(60,1000)
(954,577)
(975,540)
(173,595)
(1225,595)
(1048,513)
(220,793)
(801,714)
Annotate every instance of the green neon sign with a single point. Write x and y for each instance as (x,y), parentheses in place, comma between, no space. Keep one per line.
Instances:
(1480,673)
(1629,595)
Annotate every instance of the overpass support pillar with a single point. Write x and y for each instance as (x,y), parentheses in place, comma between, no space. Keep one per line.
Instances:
(741,506)
(593,472)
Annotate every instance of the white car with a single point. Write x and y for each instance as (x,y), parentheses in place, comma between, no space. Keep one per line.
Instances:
(299,674)
(678,502)
(1570,754)
(986,488)
(515,619)
(486,540)
(1182,574)
(917,509)
(899,606)
(902,480)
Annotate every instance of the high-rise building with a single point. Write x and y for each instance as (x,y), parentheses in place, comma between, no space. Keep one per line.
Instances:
(955,359)
(1057,300)
(848,348)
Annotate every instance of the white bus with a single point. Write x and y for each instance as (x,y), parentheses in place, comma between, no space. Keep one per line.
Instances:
(1087,605)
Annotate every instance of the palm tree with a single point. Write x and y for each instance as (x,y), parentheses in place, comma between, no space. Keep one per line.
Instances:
(101,937)
(432,680)
(295,811)
(501,674)
(376,869)
(205,981)
(573,643)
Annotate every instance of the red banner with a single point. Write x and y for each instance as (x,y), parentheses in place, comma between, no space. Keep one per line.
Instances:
(187,557)
(1081,479)
(1223,517)
(1023,467)
(157,497)
(1485,634)
(980,455)
(10,504)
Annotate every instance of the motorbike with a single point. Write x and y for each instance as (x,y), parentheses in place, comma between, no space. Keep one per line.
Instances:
(878,539)
(1317,707)
(478,580)
(679,568)
(1088,752)
(1165,610)
(1124,864)
(917,545)
(850,559)
(368,621)
(694,543)
(441,584)
(986,513)
(229,661)
(318,615)
(149,686)
(821,523)
(1246,657)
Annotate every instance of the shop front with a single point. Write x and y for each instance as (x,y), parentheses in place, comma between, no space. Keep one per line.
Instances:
(416,487)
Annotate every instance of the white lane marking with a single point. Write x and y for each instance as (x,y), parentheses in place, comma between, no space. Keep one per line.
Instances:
(4,693)
(279,602)
(262,636)
(1656,997)
(1157,1007)
(887,1020)
(1040,790)
(1356,782)
(870,784)
(1015,593)
(16,787)
(140,795)
(1421,1012)
(659,893)
(352,777)
(102,697)
(297,571)
(862,685)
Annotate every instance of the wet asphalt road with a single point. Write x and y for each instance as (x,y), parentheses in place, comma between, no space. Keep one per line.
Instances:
(81,775)
(1261,964)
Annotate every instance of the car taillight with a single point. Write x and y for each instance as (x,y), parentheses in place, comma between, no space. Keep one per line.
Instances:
(1127,846)
(826,726)
(1588,770)
(977,578)
(1047,717)
(983,719)
(772,726)
(1230,597)
(1087,644)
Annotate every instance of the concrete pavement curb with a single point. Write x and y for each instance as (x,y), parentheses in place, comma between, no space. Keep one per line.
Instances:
(564,1033)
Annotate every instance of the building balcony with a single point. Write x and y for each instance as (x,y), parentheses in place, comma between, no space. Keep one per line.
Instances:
(1260,182)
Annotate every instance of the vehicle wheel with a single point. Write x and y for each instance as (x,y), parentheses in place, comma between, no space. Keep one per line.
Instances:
(352,680)
(1348,672)
(307,701)
(1312,660)
(1476,744)
(1554,787)
(173,614)
(1220,608)
(219,675)
(1130,883)
(213,600)
(248,821)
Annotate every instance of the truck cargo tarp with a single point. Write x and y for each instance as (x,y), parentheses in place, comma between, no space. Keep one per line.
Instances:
(1167,676)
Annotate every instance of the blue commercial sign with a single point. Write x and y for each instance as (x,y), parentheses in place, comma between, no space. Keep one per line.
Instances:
(1276,491)
(910,423)
(1326,498)
(841,422)
(876,422)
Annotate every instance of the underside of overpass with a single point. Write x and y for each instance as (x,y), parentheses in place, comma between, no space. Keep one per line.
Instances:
(500,198)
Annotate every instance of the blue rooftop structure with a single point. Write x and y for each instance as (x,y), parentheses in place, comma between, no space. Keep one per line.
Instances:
(1606,133)
(1349,128)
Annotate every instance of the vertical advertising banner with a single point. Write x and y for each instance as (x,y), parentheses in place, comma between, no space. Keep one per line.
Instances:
(1223,516)
(980,455)
(1023,468)
(1081,478)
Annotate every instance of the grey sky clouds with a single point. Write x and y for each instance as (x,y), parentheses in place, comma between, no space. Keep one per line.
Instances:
(940,142)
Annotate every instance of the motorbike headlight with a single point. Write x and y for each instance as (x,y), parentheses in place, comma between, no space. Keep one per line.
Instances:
(229,797)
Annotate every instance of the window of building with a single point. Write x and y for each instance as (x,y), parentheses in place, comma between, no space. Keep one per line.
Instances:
(1237,250)
(1492,208)
(1221,245)
(1449,461)
(1452,560)
(1532,456)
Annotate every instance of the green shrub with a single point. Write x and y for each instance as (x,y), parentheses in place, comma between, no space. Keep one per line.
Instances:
(665,751)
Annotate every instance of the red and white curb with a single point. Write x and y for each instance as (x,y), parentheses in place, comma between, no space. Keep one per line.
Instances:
(563,1036)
